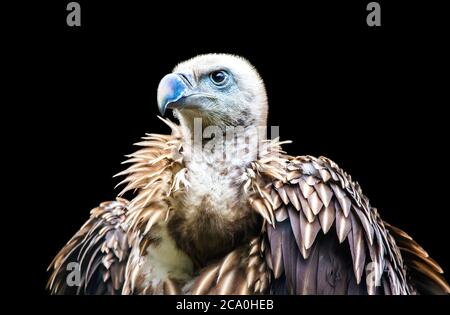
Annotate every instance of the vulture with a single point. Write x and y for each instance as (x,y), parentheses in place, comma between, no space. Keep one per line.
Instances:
(209,212)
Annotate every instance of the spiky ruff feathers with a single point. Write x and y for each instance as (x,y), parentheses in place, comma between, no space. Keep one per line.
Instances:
(204,210)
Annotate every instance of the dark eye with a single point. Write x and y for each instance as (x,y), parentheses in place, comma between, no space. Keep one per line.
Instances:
(218,77)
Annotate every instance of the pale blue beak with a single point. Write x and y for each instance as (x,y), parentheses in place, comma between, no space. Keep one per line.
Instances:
(171,89)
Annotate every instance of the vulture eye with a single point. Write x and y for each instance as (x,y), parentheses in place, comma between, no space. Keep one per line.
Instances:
(218,77)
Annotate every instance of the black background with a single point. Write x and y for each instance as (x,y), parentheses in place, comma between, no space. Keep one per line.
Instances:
(371,99)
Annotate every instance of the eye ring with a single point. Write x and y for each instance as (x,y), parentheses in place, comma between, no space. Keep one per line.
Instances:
(219,77)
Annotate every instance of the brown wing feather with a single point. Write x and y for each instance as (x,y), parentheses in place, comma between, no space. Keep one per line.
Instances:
(316,197)
(242,271)
(100,248)
(424,272)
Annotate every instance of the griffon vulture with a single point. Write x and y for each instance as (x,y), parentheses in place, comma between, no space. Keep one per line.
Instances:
(228,220)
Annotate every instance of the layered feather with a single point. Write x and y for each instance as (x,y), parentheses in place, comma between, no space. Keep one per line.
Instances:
(310,198)
(100,249)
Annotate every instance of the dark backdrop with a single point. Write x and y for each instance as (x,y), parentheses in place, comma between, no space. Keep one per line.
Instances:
(370,99)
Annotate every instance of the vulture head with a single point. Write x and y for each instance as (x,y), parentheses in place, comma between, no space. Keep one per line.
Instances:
(223,90)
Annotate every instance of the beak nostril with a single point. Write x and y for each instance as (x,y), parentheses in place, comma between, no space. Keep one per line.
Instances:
(185,79)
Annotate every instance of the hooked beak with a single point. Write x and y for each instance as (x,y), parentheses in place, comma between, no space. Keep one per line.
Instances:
(176,91)
(172,88)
